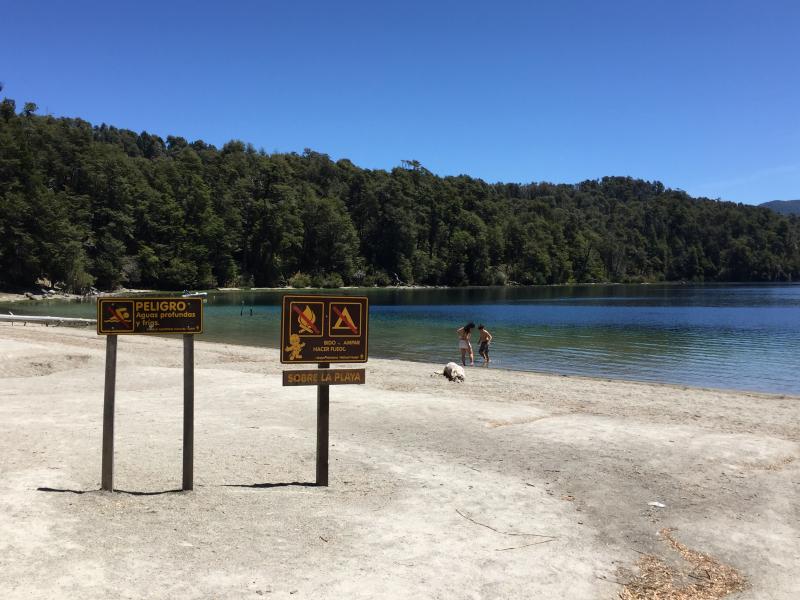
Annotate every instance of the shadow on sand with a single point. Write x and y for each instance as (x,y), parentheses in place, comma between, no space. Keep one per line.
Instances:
(270,485)
(62,491)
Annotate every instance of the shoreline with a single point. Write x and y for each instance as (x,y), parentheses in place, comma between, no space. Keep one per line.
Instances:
(12,296)
(597,378)
(419,467)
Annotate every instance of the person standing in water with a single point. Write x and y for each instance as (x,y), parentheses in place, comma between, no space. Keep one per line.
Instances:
(485,340)
(464,344)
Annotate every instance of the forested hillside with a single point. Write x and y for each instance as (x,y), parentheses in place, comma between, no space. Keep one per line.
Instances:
(96,205)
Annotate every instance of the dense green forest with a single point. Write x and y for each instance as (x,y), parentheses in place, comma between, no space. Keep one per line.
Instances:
(101,206)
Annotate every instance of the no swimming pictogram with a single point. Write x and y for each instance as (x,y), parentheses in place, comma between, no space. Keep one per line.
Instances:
(116,316)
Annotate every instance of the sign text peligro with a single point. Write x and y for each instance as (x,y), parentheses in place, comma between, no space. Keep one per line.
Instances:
(149,315)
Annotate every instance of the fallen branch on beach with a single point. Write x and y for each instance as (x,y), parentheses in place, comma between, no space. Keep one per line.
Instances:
(470,519)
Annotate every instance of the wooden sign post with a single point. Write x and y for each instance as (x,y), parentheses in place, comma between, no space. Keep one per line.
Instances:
(324,330)
(132,316)
(323,428)
(187,482)
(107,479)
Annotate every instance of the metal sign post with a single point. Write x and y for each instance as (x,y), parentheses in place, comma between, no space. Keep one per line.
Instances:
(117,316)
(324,330)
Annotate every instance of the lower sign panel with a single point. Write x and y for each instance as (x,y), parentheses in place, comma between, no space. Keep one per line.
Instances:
(324,377)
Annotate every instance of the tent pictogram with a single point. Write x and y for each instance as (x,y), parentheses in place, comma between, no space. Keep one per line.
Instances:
(345,321)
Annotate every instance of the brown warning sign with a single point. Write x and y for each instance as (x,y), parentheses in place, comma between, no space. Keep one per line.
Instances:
(149,315)
(324,377)
(324,329)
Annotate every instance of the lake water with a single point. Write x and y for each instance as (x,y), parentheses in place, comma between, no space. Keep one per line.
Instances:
(726,336)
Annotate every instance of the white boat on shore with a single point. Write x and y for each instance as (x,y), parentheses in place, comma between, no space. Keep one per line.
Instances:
(188,294)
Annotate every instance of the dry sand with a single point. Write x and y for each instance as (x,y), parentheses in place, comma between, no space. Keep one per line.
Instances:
(437,490)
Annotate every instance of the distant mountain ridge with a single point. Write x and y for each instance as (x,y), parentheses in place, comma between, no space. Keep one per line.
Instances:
(785,207)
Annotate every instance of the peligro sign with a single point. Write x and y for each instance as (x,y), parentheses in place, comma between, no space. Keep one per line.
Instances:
(124,316)
(149,315)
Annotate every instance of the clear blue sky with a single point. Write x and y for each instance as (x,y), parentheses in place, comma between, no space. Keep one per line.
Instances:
(704,96)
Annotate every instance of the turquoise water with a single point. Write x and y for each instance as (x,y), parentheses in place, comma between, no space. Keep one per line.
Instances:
(727,336)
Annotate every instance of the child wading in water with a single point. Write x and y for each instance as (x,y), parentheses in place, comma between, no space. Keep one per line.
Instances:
(485,340)
(464,334)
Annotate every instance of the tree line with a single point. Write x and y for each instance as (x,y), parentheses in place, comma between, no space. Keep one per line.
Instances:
(106,207)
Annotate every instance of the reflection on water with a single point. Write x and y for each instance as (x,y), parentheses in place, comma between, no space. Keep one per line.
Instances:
(728,336)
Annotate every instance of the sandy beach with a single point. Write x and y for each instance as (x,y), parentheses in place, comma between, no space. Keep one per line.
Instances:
(510,485)
(11,297)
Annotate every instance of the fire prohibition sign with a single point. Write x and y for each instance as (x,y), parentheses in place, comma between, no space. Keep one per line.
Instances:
(324,329)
